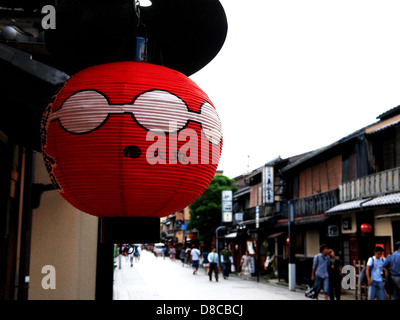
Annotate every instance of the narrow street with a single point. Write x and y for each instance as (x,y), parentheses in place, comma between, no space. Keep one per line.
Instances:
(154,278)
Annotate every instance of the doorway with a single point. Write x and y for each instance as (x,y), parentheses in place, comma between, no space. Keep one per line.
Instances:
(384,242)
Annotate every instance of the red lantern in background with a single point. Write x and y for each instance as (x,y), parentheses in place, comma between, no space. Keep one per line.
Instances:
(287,240)
(131,139)
(366,228)
(192,236)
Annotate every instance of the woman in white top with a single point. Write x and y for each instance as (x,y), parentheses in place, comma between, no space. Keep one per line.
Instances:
(245,264)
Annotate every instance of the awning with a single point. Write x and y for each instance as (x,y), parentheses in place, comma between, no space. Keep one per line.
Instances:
(231,235)
(275,235)
(346,206)
(389,215)
(303,220)
(386,200)
(381,201)
(263,219)
(241,192)
(311,219)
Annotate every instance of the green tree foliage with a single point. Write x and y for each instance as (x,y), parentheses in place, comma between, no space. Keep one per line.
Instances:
(205,212)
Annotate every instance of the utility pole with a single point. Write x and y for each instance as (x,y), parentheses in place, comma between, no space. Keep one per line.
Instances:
(292,245)
(258,242)
(216,241)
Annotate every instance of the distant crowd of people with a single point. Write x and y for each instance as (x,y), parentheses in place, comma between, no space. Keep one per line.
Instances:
(382,275)
(212,262)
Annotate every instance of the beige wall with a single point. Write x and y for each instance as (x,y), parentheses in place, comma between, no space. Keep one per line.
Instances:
(179,236)
(312,243)
(383,227)
(65,238)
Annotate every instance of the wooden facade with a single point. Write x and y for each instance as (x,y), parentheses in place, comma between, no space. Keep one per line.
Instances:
(377,184)
(363,165)
(322,177)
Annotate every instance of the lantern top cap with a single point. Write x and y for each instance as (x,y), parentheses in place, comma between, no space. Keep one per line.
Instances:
(182,35)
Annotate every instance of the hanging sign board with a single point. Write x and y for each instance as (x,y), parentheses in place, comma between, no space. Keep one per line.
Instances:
(250,248)
(227,205)
(257,217)
(268,184)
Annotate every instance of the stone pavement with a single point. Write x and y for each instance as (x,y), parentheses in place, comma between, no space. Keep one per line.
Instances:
(154,278)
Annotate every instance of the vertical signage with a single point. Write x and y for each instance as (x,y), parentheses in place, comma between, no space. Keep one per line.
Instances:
(227,206)
(268,184)
(257,217)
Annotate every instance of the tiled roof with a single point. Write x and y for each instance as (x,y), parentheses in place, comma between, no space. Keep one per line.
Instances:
(241,192)
(319,151)
(346,206)
(389,113)
(389,199)
(303,220)
(383,125)
(385,200)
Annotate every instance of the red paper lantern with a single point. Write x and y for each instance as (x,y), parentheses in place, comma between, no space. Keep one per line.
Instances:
(131,139)
(366,228)
(287,240)
(192,236)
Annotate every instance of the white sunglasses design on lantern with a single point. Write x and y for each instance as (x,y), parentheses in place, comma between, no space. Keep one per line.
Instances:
(153,110)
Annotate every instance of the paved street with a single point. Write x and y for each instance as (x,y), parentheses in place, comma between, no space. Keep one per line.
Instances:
(157,279)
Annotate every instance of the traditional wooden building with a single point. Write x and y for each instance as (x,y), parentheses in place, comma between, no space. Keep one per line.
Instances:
(173,228)
(258,204)
(372,198)
(336,192)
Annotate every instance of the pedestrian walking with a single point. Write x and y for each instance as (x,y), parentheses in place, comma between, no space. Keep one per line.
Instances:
(172,253)
(245,266)
(374,275)
(130,252)
(335,276)
(137,254)
(214,264)
(195,253)
(165,252)
(206,263)
(319,273)
(226,256)
(188,259)
(392,265)
(182,256)
(126,248)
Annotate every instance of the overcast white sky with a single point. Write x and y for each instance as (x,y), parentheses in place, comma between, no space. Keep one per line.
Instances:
(296,75)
